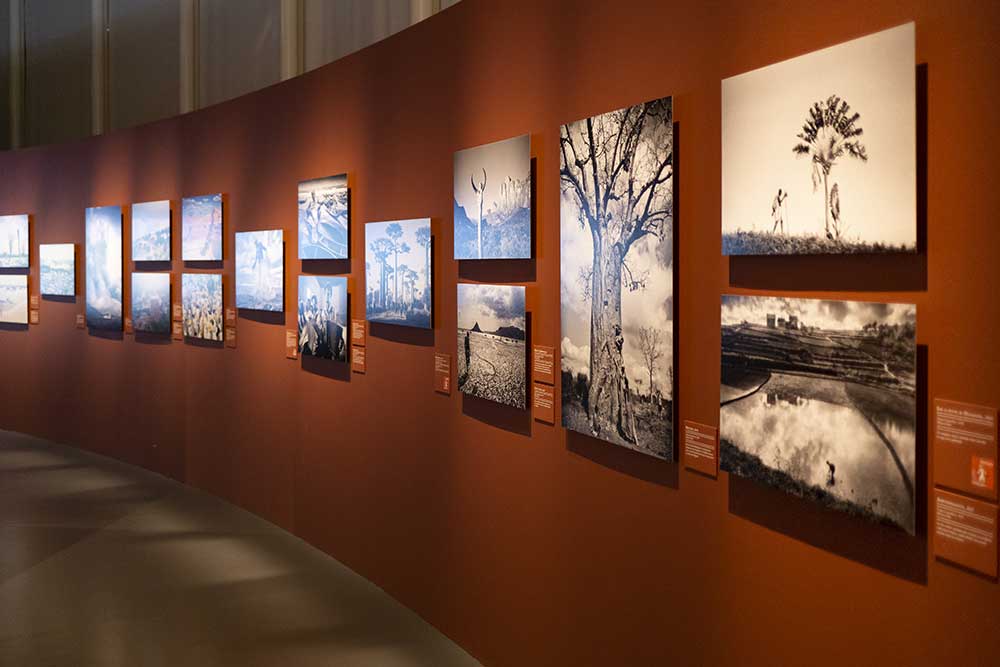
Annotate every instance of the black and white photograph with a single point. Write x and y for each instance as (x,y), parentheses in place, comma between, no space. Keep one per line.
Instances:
(103,260)
(201,296)
(151,302)
(398,272)
(14,252)
(616,268)
(57,269)
(323,316)
(492,351)
(819,152)
(260,270)
(324,218)
(818,399)
(13,299)
(492,205)
(151,231)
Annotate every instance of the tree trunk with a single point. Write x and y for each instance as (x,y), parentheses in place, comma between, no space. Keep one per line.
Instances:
(609,401)
(480,226)
(826,204)
(395,278)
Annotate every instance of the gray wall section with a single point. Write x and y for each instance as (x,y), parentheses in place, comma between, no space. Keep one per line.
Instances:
(335,29)
(143,61)
(4,74)
(240,48)
(58,54)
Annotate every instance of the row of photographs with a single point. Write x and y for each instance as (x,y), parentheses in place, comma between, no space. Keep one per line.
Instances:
(817,397)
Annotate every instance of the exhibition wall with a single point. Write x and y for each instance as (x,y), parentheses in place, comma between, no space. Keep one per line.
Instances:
(525,542)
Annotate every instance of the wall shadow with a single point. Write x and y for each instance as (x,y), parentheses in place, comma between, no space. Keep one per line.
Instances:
(501,416)
(204,264)
(152,338)
(58,299)
(328,368)
(144,265)
(891,272)
(497,270)
(11,326)
(201,342)
(674,303)
(401,334)
(326,266)
(262,316)
(921,446)
(108,334)
(624,460)
(885,548)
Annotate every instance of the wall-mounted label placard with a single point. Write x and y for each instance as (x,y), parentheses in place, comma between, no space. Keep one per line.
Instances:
(359,364)
(33,317)
(230,316)
(358,332)
(178,312)
(129,328)
(543,364)
(543,402)
(291,344)
(34,301)
(965,447)
(81,322)
(965,531)
(442,373)
(701,447)
(177,331)
(230,336)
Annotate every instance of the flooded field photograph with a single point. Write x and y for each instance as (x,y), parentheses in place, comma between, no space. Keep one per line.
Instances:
(491,343)
(818,398)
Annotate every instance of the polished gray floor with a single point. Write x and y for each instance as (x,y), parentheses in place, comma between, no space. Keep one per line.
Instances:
(106,564)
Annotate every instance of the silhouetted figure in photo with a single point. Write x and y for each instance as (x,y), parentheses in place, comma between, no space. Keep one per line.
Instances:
(468,352)
(835,210)
(777,211)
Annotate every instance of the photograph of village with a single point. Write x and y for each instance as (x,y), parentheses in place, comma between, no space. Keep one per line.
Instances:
(14,241)
(323,316)
(492,205)
(616,270)
(151,231)
(151,302)
(819,152)
(324,214)
(398,272)
(57,269)
(201,228)
(260,270)
(103,260)
(13,299)
(492,357)
(201,296)
(818,398)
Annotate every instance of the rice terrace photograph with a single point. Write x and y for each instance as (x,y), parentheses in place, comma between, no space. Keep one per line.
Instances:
(201,297)
(14,299)
(103,260)
(324,218)
(616,216)
(399,273)
(492,352)
(57,269)
(492,207)
(323,317)
(819,153)
(818,399)
(260,270)
(151,231)
(14,251)
(151,302)
(201,228)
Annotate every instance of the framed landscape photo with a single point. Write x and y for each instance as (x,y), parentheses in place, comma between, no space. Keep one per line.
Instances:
(492,200)
(201,228)
(57,269)
(151,231)
(324,218)
(201,298)
(151,302)
(819,153)
(260,270)
(398,272)
(616,213)
(14,298)
(14,242)
(818,398)
(103,257)
(492,330)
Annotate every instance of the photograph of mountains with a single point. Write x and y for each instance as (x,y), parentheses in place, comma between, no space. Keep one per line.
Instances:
(616,216)
(201,228)
(818,398)
(491,343)
(492,206)
(324,218)
(151,231)
(819,153)
(103,260)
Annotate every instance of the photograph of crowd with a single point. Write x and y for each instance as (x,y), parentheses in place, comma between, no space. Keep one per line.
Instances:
(201,294)
(323,317)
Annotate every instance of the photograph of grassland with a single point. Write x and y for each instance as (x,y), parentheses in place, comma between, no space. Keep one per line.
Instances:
(818,398)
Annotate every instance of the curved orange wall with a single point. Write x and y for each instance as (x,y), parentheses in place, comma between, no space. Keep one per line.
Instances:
(527,544)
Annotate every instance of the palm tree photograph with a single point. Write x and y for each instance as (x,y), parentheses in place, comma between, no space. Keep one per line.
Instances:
(398,272)
(819,152)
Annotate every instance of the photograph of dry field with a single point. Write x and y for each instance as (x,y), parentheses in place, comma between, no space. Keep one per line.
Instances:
(818,398)
(491,343)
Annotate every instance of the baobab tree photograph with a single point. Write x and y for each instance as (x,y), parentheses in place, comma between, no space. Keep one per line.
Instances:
(492,207)
(399,274)
(616,265)
(819,152)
